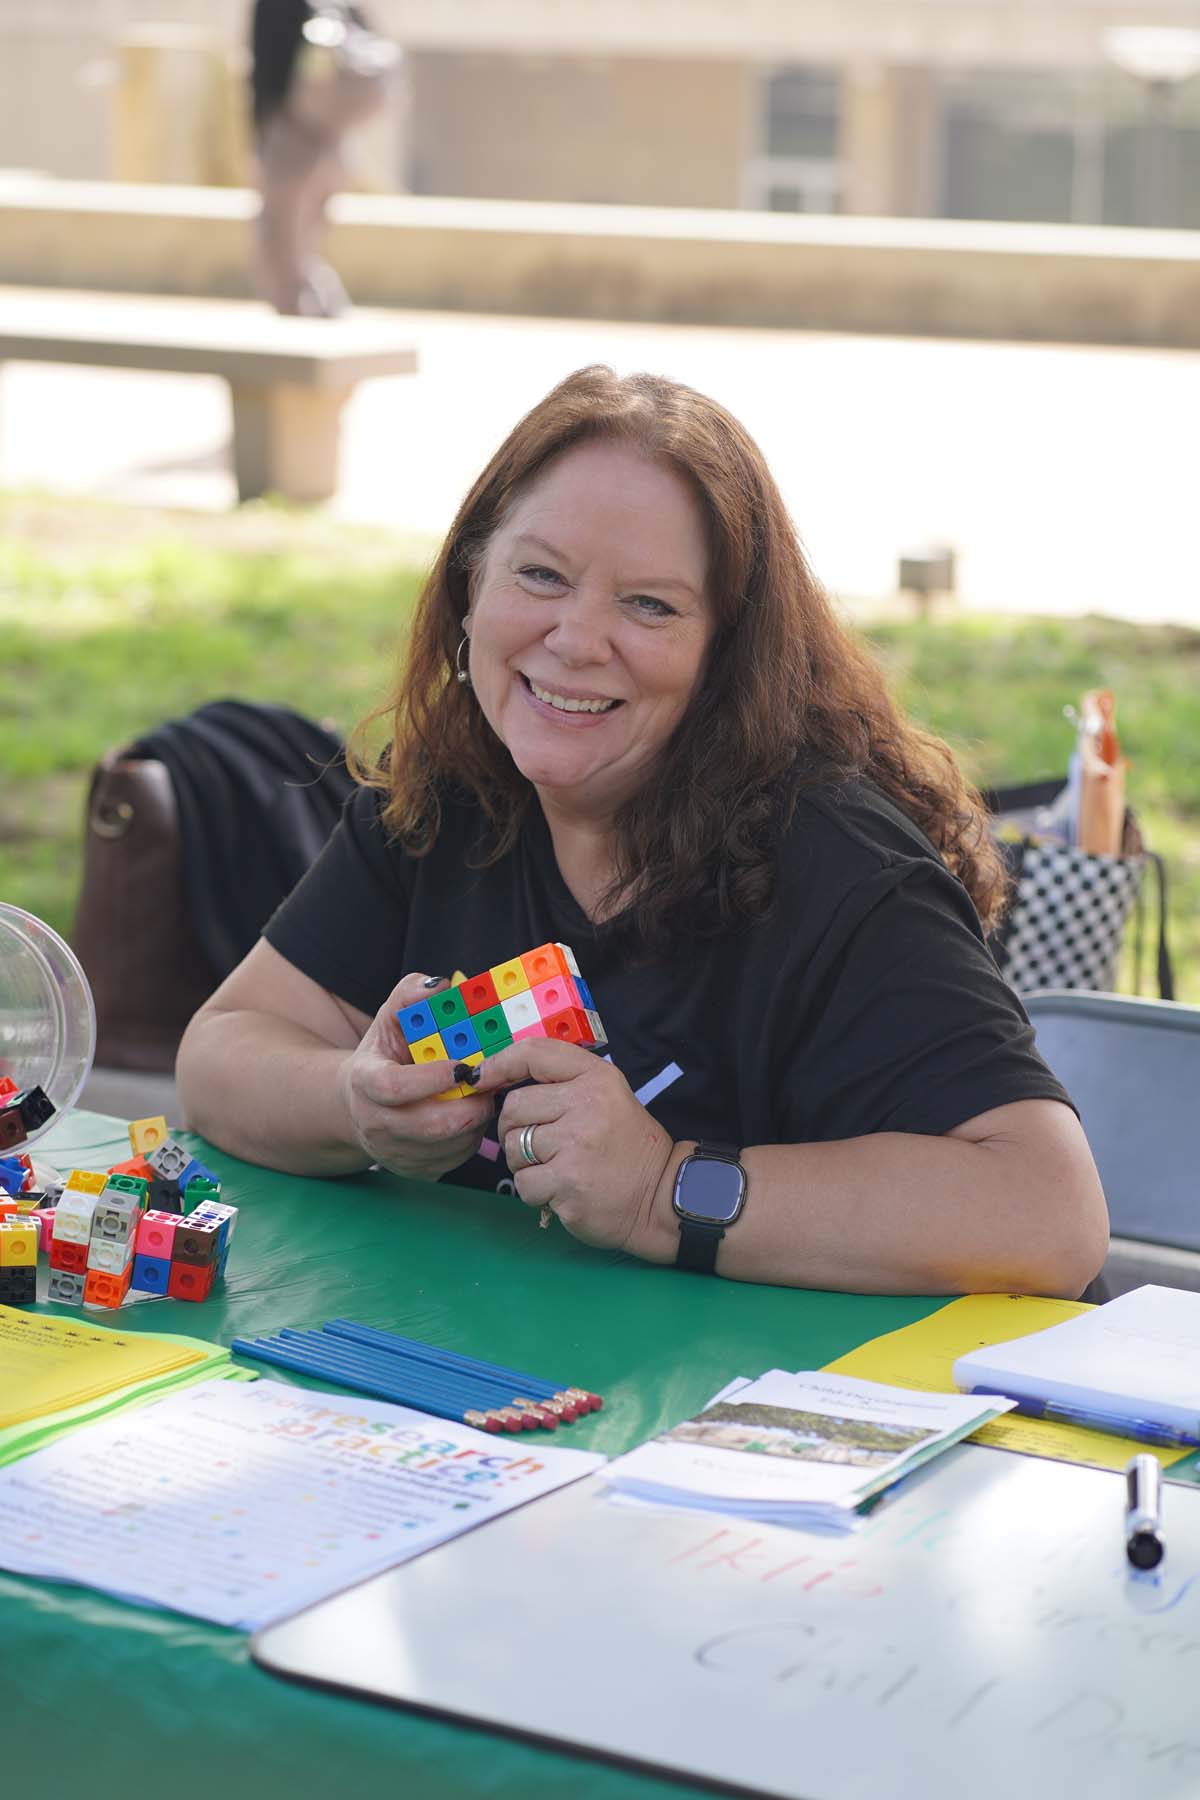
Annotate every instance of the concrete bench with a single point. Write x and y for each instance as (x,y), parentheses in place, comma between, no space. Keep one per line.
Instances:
(288,378)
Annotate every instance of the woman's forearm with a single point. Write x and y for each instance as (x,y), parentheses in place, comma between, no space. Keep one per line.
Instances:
(900,1213)
(269,1091)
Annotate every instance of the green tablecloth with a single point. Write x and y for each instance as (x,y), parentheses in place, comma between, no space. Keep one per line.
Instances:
(107,1699)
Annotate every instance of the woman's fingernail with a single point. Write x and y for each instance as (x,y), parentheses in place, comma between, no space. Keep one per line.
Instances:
(432,981)
(468,1072)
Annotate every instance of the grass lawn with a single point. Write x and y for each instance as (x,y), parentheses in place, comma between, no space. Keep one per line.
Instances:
(113,620)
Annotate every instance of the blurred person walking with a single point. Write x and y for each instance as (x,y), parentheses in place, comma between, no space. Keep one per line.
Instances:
(318,71)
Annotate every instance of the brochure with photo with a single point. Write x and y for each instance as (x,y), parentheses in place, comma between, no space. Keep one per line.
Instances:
(810,1448)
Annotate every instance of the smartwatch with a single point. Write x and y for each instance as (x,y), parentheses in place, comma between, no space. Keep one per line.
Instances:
(710,1192)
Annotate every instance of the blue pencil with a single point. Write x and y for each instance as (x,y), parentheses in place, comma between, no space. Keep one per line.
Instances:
(390,1340)
(468,1391)
(444,1403)
(476,1391)
(486,1388)
(504,1387)
(412,1379)
(401,1392)
(349,1372)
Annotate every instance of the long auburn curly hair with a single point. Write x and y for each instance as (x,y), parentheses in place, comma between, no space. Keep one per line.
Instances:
(787,698)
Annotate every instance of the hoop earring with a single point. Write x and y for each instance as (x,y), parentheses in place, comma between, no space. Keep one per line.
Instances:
(461,672)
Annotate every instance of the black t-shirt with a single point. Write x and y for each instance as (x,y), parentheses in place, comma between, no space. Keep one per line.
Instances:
(867,1001)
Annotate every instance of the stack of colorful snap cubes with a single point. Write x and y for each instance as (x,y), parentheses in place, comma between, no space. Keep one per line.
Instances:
(106,1241)
(19,1240)
(539,994)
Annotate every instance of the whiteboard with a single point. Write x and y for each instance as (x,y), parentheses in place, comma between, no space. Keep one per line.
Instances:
(982,1635)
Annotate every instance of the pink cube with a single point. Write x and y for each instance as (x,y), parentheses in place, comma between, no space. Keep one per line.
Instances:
(156,1233)
(555,995)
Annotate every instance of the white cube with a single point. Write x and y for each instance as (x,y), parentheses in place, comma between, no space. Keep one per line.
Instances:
(520,1011)
(108,1256)
(73,1216)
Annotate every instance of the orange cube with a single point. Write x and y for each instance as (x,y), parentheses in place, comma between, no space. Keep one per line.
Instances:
(136,1165)
(103,1289)
(544,963)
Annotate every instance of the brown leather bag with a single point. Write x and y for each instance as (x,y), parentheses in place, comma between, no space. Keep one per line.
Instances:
(132,931)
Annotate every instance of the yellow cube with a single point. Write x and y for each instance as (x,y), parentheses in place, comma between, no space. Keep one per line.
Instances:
(429,1049)
(510,978)
(87,1181)
(146,1135)
(463,1090)
(18,1244)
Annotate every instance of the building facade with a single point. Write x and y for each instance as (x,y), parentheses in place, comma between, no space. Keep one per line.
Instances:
(1079,111)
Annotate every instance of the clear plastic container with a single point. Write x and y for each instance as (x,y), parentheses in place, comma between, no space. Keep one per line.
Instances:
(47,1015)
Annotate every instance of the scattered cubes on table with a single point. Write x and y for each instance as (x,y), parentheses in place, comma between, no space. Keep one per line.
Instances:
(106,1240)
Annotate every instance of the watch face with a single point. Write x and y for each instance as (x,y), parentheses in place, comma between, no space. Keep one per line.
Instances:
(710,1190)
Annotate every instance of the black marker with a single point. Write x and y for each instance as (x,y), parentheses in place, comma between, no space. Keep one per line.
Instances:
(1143,1513)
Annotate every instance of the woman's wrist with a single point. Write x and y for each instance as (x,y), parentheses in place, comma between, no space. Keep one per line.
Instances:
(656,1238)
(346,1131)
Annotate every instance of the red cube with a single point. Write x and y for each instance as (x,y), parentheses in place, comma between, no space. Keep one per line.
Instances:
(65,1255)
(191,1281)
(479,992)
(570,1026)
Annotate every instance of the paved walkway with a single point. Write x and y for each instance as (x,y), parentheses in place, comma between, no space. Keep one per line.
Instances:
(1064,477)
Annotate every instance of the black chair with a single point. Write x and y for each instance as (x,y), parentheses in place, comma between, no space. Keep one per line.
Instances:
(1132,1068)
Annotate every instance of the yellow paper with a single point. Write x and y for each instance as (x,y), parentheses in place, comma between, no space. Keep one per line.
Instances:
(923,1356)
(48,1364)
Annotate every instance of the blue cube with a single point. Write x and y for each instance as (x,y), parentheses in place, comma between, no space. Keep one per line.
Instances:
(151,1274)
(417,1022)
(461,1039)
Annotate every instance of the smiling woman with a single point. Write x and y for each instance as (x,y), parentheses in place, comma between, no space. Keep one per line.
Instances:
(588,627)
(629,720)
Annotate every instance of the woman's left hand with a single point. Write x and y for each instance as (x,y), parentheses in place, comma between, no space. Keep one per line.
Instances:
(600,1156)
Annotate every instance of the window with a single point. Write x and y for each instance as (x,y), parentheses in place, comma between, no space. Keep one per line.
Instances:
(794,166)
(1092,147)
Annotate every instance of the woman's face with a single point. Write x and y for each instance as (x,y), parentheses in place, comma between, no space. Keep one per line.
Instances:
(589,624)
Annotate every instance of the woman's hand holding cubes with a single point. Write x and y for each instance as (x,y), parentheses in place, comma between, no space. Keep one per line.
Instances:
(395,1104)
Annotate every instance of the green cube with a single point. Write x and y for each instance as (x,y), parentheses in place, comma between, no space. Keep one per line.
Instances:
(129,1184)
(448,1008)
(491,1028)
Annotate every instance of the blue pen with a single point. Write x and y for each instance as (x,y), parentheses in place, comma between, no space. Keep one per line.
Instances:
(1143,1431)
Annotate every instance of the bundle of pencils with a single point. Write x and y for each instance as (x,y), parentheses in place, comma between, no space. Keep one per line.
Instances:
(411,1373)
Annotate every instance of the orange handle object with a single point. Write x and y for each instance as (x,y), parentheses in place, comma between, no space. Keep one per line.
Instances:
(1102,780)
(1098,724)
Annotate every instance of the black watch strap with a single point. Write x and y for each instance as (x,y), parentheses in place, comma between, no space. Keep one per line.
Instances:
(699,1239)
(698,1246)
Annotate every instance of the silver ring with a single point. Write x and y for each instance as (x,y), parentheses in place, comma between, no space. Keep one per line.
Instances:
(525,1144)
